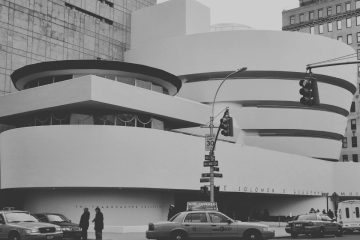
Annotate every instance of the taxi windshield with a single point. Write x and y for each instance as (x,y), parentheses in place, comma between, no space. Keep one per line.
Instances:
(175,218)
(307,217)
(57,218)
(14,217)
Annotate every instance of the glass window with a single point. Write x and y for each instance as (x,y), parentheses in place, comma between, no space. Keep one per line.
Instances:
(345,158)
(196,218)
(143,121)
(357,212)
(125,119)
(348,22)
(127,80)
(359,75)
(325,218)
(357,4)
(292,20)
(358,37)
(353,124)
(338,8)
(347,6)
(312,30)
(156,88)
(338,24)
(311,15)
(330,27)
(218,218)
(349,39)
(302,18)
(344,142)
(320,13)
(321,28)
(339,38)
(352,108)
(347,212)
(329,11)
(355,158)
(354,141)
(143,84)
(357,20)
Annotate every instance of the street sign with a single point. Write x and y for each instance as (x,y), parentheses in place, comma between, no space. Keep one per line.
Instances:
(218,175)
(210,157)
(204,175)
(210,163)
(204,179)
(216,169)
(209,142)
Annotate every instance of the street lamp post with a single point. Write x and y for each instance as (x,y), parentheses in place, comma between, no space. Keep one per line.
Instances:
(211,126)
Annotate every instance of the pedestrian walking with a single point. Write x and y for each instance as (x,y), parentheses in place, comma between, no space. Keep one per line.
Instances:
(330,214)
(99,223)
(171,212)
(84,223)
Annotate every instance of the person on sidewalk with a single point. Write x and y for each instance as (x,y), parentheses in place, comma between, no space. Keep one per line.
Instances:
(84,223)
(172,211)
(99,223)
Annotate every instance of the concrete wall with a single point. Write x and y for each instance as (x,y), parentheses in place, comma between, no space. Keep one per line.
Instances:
(40,157)
(190,17)
(123,209)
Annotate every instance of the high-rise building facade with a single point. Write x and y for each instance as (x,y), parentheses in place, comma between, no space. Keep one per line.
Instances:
(337,19)
(34,31)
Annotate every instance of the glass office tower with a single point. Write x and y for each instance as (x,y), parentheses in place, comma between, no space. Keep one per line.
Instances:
(33,31)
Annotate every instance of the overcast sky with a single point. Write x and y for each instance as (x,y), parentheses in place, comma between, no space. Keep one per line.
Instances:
(258,14)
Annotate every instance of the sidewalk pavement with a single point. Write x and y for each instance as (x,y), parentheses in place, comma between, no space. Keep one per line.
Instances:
(140,234)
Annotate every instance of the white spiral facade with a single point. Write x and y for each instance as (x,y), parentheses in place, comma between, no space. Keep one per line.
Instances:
(283,156)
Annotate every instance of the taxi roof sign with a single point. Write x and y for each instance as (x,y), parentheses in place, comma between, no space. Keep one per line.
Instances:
(201,205)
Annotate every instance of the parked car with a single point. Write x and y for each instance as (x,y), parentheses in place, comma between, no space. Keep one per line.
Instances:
(313,224)
(206,224)
(70,230)
(16,225)
(349,215)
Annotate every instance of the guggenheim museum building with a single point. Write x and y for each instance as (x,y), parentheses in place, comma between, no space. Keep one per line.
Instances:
(129,136)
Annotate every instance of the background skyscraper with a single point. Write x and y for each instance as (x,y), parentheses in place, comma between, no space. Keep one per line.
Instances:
(33,31)
(340,20)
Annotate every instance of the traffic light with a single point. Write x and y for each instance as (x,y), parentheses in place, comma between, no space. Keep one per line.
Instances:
(226,124)
(309,92)
(204,190)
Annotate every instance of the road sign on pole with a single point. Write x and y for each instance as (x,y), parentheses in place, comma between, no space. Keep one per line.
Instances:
(209,142)
(204,179)
(207,175)
(210,163)
(210,157)
(218,175)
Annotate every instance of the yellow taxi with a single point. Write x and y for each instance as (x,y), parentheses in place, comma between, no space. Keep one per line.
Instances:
(208,224)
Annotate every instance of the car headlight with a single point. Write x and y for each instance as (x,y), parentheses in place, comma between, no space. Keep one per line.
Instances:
(76,228)
(58,229)
(66,229)
(265,228)
(32,230)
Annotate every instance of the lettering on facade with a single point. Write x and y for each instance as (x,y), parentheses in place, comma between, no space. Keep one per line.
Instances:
(117,206)
(271,190)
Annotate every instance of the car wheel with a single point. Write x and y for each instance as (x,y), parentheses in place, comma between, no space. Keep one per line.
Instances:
(339,232)
(252,235)
(178,235)
(294,235)
(14,236)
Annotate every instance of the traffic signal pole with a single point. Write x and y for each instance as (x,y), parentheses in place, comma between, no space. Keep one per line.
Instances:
(211,127)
